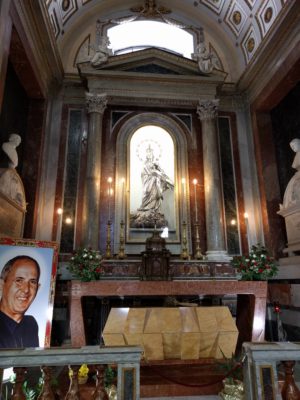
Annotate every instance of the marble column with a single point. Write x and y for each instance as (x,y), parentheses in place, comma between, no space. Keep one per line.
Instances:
(96,104)
(216,249)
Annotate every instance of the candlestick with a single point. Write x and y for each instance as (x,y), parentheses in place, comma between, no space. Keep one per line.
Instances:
(195,195)
(184,250)
(183,190)
(123,200)
(197,255)
(109,180)
(247,229)
(108,240)
(121,254)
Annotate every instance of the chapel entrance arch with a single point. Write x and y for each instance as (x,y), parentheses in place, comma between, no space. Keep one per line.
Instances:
(163,139)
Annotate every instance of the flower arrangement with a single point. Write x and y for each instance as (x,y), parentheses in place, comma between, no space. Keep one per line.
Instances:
(82,373)
(85,264)
(258,265)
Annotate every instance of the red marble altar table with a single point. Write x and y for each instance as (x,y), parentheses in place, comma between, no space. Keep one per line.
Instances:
(251,300)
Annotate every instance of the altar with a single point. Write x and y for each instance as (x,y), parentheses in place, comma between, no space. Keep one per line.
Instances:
(251,300)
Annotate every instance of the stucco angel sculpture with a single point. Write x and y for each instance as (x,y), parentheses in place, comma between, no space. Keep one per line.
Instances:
(102,52)
(207,61)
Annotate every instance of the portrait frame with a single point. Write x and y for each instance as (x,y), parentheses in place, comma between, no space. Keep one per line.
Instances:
(46,255)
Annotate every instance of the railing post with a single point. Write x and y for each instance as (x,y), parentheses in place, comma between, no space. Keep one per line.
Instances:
(289,390)
(18,393)
(46,393)
(128,381)
(1,379)
(100,392)
(73,392)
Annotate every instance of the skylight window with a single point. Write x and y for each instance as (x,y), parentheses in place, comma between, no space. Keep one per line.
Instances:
(138,35)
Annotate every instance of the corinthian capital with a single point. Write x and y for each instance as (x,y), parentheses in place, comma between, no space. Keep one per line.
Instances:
(208,109)
(96,102)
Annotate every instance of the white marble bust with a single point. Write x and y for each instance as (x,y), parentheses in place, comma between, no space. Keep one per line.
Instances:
(9,149)
(295,146)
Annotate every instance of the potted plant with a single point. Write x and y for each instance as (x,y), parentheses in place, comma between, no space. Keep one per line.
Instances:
(258,265)
(233,388)
(85,264)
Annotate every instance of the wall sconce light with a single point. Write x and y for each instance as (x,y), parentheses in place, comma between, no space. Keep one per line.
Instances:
(68,220)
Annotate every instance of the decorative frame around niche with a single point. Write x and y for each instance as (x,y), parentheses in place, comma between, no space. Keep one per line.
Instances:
(169,207)
(134,245)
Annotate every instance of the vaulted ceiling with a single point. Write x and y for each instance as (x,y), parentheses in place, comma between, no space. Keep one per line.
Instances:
(238,30)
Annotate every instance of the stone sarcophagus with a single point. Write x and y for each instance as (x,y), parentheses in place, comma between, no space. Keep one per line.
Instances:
(186,333)
(12,203)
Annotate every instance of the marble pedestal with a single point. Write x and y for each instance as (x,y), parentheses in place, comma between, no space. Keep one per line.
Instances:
(292,223)
(290,211)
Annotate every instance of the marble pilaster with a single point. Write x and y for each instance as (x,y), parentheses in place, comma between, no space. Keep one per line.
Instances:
(216,250)
(96,104)
(49,167)
(252,202)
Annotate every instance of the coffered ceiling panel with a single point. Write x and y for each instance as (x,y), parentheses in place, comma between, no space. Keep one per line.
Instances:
(235,29)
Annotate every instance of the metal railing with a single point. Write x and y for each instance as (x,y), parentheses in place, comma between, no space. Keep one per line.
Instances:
(260,370)
(126,359)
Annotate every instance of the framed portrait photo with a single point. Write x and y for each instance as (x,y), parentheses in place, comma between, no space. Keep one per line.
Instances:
(27,276)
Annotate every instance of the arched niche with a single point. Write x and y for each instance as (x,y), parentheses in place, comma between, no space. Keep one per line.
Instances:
(135,240)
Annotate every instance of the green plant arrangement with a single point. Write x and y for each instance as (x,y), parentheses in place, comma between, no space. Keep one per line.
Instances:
(258,265)
(30,393)
(85,264)
(233,383)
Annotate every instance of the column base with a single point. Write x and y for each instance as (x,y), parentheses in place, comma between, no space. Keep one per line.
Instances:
(218,255)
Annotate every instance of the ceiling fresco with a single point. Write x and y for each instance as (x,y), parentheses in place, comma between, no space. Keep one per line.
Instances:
(235,29)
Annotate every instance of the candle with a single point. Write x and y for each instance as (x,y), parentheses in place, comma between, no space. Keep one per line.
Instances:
(195,195)
(109,180)
(59,222)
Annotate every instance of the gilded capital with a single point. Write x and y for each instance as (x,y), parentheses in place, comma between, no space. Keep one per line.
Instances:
(208,109)
(96,102)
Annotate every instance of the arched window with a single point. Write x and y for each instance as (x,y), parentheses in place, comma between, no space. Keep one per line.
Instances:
(138,35)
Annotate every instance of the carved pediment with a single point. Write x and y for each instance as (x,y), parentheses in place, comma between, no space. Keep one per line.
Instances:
(137,77)
(152,61)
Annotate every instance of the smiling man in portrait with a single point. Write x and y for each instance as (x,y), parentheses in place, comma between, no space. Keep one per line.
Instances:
(20,283)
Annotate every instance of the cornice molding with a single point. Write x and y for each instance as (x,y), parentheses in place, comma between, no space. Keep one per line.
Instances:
(272,52)
(35,23)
